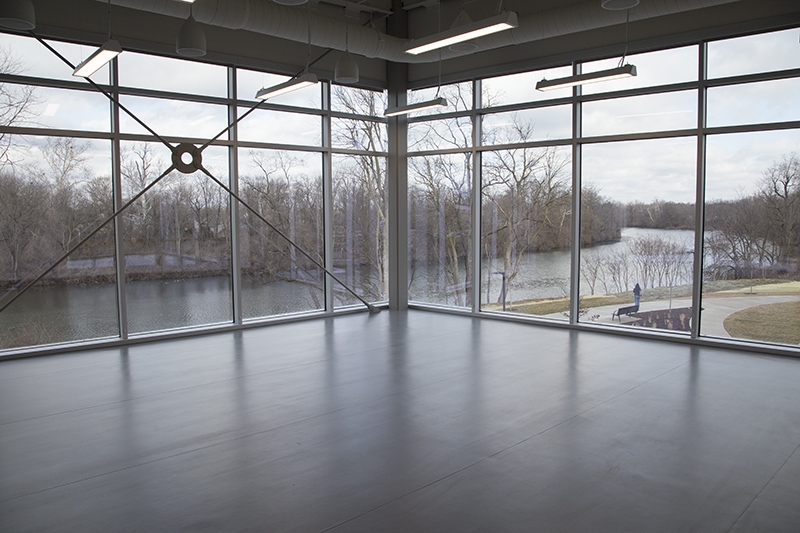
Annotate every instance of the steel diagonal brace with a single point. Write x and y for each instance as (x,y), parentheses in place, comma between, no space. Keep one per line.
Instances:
(372,308)
(82,241)
(184,167)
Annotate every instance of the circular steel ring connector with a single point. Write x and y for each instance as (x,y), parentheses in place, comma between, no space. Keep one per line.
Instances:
(177,158)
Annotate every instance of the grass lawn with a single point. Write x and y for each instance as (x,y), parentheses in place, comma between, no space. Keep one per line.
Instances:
(772,322)
(711,289)
(559,305)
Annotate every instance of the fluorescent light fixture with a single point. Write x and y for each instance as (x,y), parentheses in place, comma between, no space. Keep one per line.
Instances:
(466,32)
(419,106)
(100,57)
(286,87)
(625,71)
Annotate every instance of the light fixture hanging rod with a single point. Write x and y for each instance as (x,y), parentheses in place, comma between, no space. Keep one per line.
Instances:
(625,71)
(473,30)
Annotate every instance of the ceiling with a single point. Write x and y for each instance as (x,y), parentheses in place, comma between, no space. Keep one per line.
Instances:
(551,31)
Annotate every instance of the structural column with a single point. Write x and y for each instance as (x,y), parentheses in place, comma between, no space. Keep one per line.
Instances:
(397,169)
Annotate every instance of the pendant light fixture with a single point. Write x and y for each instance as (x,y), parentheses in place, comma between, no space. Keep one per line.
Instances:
(305,79)
(473,30)
(618,5)
(621,71)
(191,40)
(346,70)
(463,19)
(101,56)
(17,15)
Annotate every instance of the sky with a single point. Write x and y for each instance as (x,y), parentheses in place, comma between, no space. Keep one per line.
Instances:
(662,169)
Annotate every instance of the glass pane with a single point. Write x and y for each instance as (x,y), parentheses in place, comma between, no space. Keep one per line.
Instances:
(440,134)
(753,103)
(176,239)
(519,88)
(755,53)
(752,240)
(637,233)
(173,117)
(359,135)
(458,96)
(54,195)
(525,231)
(652,68)
(65,109)
(358,101)
(280,128)
(286,189)
(28,57)
(250,82)
(528,125)
(638,114)
(174,75)
(440,238)
(360,230)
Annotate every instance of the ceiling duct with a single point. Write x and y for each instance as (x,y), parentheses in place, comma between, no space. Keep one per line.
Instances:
(269,18)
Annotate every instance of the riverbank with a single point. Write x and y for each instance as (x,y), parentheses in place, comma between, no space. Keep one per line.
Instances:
(711,289)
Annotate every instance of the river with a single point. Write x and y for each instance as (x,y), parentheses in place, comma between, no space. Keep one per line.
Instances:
(66,313)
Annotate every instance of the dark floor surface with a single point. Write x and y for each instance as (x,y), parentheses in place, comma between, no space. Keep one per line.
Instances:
(401,421)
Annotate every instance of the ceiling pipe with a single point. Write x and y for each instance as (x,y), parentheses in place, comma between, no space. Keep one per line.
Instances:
(269,18)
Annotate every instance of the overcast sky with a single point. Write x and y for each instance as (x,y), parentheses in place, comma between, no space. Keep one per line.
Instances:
(636,170)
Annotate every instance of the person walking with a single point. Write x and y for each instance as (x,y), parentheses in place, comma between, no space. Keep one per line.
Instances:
(637,293)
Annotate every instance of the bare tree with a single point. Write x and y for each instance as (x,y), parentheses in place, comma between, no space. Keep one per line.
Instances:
(780,191)
(17,105)
(360,202)
(530,192)
(23,209)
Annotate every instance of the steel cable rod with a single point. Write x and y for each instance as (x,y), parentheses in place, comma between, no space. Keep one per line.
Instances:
(107,95)
(197,165)
(372,308)
(89,236)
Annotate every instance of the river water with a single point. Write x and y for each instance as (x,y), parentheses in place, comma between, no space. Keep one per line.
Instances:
(541,275)
(66,313)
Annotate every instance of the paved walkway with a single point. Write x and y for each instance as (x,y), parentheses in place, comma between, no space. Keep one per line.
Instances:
(715,310)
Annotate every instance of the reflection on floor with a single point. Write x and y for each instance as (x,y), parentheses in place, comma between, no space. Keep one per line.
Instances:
(401,421)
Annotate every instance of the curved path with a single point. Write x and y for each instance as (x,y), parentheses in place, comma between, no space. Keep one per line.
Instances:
(715,310)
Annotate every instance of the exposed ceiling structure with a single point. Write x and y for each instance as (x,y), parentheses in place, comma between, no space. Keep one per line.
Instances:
(264,34)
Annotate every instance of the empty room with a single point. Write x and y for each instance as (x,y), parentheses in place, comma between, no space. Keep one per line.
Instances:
(399,265)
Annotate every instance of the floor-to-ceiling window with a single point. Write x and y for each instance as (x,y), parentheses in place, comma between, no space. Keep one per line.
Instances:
(183,252)
(751,267)
(723,114)
(526,184)
(440,188)
(492,195)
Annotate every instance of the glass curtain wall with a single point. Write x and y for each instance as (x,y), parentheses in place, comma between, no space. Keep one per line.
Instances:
(751,267)
(184,253)
(724,112)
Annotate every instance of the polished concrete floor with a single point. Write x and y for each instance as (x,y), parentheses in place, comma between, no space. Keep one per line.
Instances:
(407,422)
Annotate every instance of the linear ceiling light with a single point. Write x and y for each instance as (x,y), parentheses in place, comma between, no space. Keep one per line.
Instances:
(625,71)
(98,59)
(419,106)
(293,84)
(473,30)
